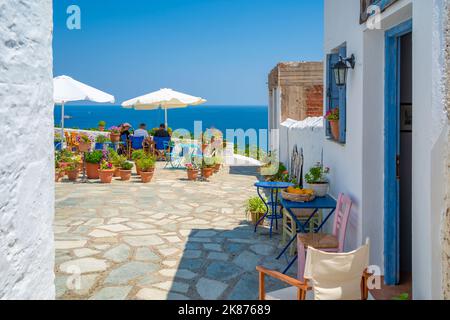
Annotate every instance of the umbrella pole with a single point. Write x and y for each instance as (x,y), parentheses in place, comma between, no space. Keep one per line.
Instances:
(62,125)
(165,118)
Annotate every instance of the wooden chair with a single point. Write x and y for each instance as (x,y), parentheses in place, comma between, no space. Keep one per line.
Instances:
(333,242)
(348,280)
(290,227)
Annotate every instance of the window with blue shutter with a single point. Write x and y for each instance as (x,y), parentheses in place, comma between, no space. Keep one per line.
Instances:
(336,96)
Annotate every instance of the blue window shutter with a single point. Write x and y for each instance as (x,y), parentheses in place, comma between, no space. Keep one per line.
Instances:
(332,89)
(343,103)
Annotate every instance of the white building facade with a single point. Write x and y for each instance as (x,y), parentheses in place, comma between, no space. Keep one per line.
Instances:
(391,158)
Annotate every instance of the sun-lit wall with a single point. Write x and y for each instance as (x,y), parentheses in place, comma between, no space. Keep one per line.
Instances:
(26,160)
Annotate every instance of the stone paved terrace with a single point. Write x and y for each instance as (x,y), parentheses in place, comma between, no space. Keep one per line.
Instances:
(170,239)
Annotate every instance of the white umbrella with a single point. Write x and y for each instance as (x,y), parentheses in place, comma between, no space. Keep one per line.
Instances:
(66,89)
(165,99)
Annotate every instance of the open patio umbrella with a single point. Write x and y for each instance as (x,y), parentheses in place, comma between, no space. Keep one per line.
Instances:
(66,89)
(164,99)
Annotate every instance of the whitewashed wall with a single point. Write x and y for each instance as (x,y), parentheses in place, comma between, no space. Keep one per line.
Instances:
(358,166)
(26,161)
(307,134)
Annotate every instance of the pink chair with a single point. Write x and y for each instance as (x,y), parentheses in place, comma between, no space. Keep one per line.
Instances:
(326,242)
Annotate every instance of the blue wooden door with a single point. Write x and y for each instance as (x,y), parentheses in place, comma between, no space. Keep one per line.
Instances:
(391,154)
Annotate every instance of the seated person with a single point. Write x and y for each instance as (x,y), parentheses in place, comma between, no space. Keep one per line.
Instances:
(162,132)
(125,129)
(142,131)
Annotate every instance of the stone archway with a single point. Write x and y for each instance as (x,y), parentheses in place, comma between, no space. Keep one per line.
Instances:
(26,159)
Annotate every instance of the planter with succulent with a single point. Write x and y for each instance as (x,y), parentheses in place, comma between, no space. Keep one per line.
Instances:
(332,116)
(192,171)
(101,125)
(93,160)
(84,142)
(72,170)
(125,170)
(114,134)
(136,155)
(147,168)
(256,209)
(106,171)
(316,178)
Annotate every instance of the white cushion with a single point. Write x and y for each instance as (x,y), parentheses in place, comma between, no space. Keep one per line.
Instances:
(290,293)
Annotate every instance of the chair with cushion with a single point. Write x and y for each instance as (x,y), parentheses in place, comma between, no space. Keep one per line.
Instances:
(333,242)
(327,276)
(290,226)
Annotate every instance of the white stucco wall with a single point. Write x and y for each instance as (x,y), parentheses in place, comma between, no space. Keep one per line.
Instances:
(358,166)
(26,161)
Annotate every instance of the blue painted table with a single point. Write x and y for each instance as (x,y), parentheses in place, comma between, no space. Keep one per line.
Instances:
(275,214)
(327,203)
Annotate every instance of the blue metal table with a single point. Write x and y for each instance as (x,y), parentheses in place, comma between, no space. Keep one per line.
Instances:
(274,188)
(327,203)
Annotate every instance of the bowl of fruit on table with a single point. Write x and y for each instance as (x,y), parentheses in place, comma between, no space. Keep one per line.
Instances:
(297,194)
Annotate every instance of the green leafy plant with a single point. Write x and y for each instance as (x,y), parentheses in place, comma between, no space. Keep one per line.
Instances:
(126,165)
(95,156)
(153,131)
(138,154)
(332,115)
(255,205)
(102,139)
(72,166)
(146,163)
(317,174)
(101,123)
(106,165)
(403,296)
(64,155)
(58,137)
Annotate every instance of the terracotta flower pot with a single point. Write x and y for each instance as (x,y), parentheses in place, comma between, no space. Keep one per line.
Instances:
(73,175)
(334,126)
(217,167)
(146,176)
(125,175)
(207,172)
(101,128)
(138,170)
(116,172)
(92,170)
(58,175)
(192,174)
(84,146)
(114,137)
(106,175)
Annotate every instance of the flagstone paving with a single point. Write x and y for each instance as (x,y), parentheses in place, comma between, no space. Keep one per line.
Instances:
(169,239)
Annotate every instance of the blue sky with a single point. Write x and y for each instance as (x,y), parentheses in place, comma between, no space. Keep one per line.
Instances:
(221,50)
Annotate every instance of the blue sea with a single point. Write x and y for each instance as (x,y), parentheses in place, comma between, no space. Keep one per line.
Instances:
(219,117)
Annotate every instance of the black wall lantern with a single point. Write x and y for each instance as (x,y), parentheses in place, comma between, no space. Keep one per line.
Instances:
(341,69)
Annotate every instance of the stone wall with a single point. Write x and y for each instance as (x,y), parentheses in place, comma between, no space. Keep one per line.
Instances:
(301,85)
(446,219)
(26,161)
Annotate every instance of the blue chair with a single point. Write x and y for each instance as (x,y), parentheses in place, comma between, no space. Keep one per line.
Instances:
(58,145)
(161,145)
(136,143)
(99,146)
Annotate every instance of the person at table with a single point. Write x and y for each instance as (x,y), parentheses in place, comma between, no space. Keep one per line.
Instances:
(142,131)
(162,132)
(125,129)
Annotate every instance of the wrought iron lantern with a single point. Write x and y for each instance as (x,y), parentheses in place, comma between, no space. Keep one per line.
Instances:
(340,70)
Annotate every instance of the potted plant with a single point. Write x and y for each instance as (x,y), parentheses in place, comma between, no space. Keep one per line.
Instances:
(136,155)
(332,116)
(192,171)
(117,161)
(255,208)
(106,171)
(217,164)
(72,170)
(93,160)
(59,173)
(84,143)
(101,125)
(114,134)
(125,171)
(100,141)
(147,168)
(316,179)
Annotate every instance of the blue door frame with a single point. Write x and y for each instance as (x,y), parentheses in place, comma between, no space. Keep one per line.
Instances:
(391,153)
